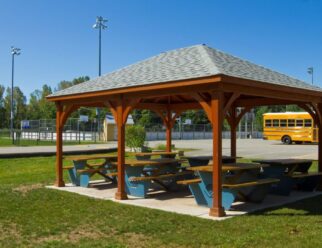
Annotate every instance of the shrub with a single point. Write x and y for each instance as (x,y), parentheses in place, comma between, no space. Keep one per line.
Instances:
(135,137)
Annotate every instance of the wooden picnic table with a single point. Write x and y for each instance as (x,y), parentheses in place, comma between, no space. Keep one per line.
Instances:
(292,173)
(239,180)
(229,167)
(148,155)
(143,175)
(152,162)
(204,159)
(155,153)
(81,171)
(90,157)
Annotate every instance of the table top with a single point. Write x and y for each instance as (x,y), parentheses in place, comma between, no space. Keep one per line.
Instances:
(206,157)
(229,167)
(154,153)
(285,162)
(90,157)
(158,162)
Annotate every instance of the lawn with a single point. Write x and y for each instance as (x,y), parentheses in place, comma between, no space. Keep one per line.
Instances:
(5,142)
(32,216)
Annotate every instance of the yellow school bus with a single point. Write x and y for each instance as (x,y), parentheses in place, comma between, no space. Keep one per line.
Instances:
(289,127)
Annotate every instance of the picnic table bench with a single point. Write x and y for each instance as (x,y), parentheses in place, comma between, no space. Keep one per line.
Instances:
(292,173)
(82,170)
(204,160)
(239,179)
(142,175)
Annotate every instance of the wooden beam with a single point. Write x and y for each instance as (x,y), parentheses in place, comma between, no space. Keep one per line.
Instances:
(164,88)
(217,118)
(59,146)
(269,90)
(319,109)
(118,109)
(204,103)
(230,101)
(233,135)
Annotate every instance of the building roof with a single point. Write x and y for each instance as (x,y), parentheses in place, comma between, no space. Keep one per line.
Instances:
(183,64)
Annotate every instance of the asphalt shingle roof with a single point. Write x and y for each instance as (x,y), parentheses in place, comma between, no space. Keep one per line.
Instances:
(184,63)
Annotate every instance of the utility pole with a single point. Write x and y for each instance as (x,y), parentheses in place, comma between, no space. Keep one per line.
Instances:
(14,51)
(100,24)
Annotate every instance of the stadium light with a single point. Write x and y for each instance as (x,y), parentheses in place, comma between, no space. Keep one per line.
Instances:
(100,24)
(14,52)
(310,71)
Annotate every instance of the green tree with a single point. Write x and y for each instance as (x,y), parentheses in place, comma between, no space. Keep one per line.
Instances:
(3,116)
(19,106)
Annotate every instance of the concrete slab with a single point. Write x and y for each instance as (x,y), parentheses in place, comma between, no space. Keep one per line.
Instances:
(182,202)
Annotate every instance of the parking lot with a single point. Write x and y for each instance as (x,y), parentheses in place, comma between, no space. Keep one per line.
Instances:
(250,148)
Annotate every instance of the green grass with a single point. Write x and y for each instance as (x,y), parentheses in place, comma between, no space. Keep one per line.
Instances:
(32,216)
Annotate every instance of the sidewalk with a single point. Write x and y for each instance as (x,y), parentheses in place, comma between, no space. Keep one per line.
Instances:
(33,151)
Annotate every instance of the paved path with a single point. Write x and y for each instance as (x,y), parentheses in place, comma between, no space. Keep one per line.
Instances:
(51,150)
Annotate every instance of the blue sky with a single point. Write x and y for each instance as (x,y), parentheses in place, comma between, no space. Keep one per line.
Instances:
(58,42)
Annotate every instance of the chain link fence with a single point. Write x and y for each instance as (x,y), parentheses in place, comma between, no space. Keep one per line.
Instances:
(91,131)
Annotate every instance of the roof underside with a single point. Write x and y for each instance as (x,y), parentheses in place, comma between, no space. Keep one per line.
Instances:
(184,64)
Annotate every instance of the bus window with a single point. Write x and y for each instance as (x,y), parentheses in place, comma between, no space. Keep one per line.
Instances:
(299,123)
(276,123)
(291,123)
(308,123)
(268,123)
(283,123)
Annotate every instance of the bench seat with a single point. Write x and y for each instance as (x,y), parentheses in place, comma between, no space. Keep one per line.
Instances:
(250,184)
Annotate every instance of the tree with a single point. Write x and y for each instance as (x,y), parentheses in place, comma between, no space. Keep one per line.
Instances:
(2,108)
(19,106)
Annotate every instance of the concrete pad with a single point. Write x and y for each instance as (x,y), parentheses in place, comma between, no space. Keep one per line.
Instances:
(182,202)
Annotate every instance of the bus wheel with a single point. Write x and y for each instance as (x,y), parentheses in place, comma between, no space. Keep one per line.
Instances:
(287,140)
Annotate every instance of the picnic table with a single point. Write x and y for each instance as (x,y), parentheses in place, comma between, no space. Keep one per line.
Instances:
(292,173)
(204,160)
(84,168)
(148,155)
(238,179)
(142,175)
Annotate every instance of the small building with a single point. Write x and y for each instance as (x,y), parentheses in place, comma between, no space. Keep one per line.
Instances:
(110,128)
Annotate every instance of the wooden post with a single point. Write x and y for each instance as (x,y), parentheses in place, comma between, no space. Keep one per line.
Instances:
(319,109)
(216,120)
(168,125)
(120,194)
(233,135)
(59,146)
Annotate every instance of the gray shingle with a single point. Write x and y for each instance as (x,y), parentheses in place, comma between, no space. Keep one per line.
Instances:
(185,63)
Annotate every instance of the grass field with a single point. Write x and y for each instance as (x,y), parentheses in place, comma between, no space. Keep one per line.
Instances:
(32,216)
(5,142)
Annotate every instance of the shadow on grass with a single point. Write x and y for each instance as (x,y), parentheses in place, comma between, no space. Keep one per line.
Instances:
(307,207)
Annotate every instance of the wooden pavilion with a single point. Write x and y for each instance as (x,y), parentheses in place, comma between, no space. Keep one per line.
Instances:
(196,77)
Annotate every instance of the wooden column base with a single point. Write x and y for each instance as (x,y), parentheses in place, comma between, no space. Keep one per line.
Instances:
(121,196)
(59,183)
(217,212)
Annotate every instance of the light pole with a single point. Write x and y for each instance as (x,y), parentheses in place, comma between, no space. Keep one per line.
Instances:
(310,71)
(14,51)
(100,24)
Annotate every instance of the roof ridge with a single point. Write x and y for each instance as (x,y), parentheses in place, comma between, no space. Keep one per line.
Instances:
(204,50)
